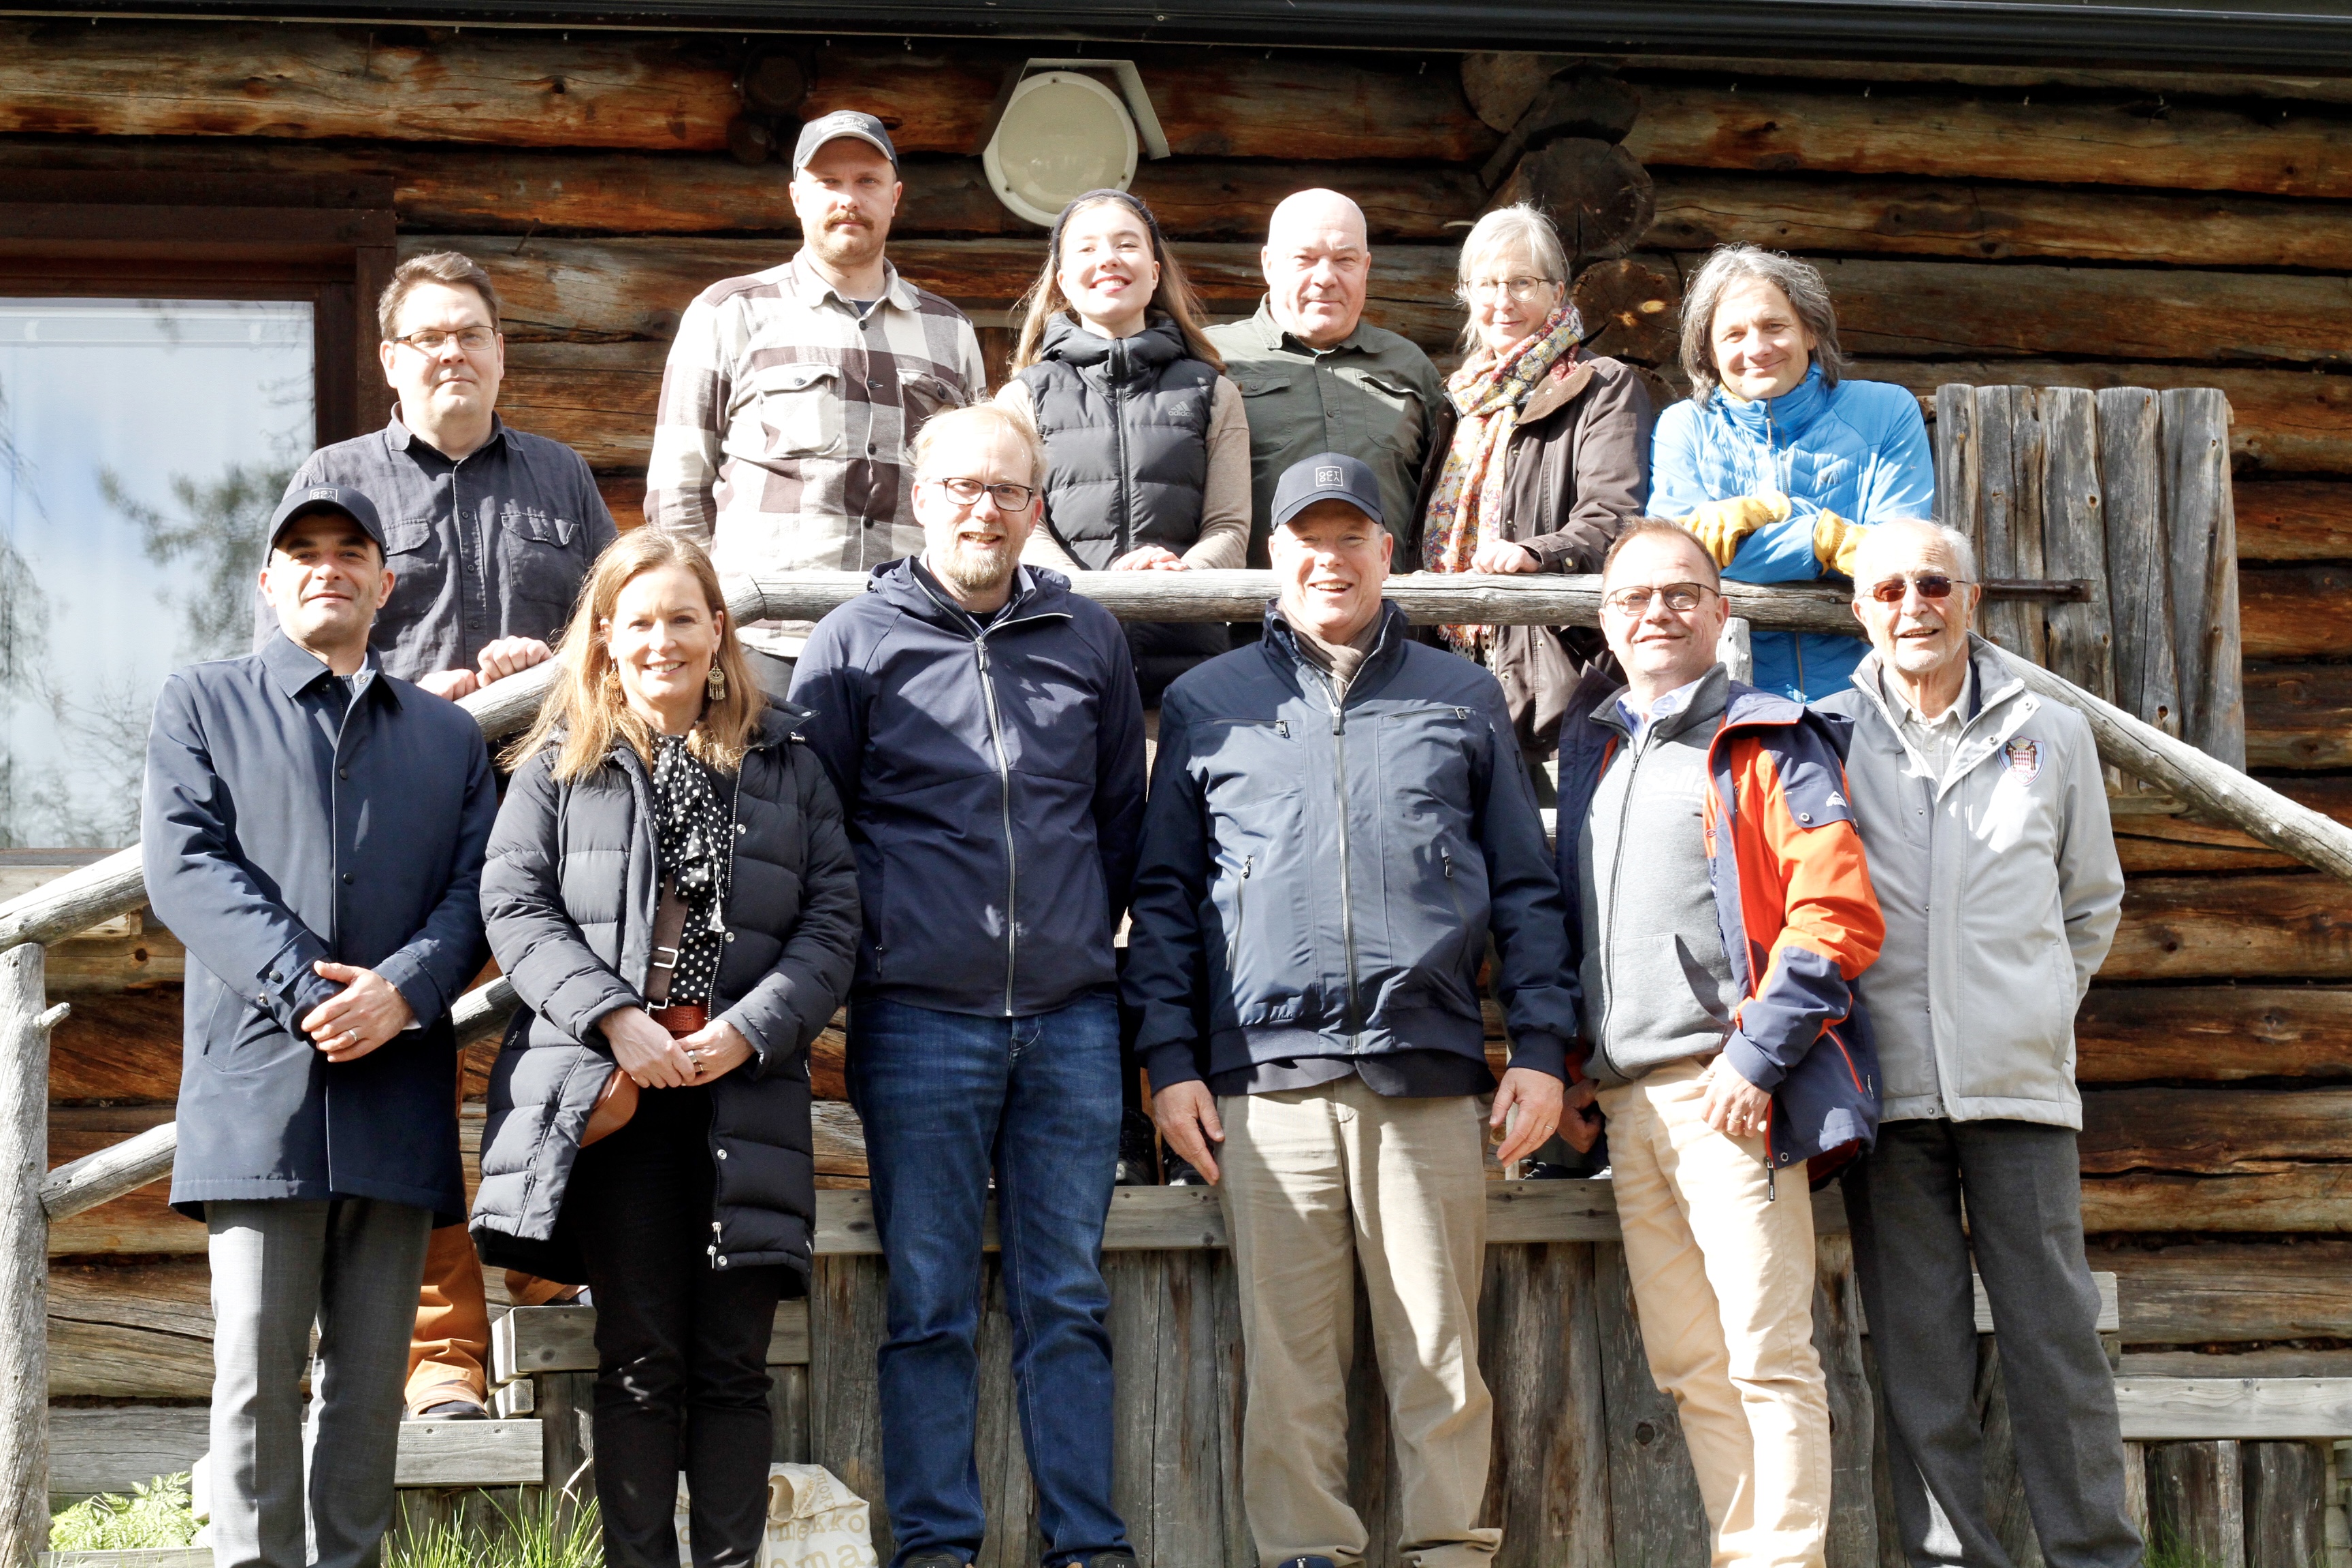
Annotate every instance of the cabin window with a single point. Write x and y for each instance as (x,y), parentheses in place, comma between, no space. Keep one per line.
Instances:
(144,444)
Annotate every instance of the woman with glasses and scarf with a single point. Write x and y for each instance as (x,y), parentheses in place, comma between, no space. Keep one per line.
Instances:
(1777,460)
(1146,447)
(671,891)
(1549,459)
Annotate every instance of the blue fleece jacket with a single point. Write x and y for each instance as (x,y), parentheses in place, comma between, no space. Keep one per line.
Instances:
(1859,449)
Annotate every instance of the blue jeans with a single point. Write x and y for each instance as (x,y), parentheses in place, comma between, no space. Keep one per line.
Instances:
(945,1097)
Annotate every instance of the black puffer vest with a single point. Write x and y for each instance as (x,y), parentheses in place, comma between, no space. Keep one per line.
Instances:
(1126,423)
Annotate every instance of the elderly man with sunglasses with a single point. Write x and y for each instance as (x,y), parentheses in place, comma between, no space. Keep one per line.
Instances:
(1724,911)
(1986,815)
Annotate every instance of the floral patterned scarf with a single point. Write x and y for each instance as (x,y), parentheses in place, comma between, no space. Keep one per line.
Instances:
(1469,496)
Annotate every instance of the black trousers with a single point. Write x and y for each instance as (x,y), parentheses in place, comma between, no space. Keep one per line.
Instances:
(681,1346)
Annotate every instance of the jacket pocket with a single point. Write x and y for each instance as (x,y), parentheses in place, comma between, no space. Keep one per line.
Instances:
(412,553)
(798,407)
(924,394)
(1241,911)
(1391,410)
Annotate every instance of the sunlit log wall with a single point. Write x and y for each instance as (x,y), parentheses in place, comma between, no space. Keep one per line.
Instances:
(1980,225)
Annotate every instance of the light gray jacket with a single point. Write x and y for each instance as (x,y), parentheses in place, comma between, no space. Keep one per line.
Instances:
(2002,891)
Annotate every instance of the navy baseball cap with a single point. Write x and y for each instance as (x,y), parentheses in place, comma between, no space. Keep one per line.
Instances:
(341,499)
(832,127)
(1326,475)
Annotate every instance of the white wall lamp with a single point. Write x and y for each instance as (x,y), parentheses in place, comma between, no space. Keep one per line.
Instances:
(1062,127)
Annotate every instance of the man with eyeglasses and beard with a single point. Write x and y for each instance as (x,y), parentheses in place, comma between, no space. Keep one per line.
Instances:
(1986,813)
(781,442)
(1724,911)
(982,726)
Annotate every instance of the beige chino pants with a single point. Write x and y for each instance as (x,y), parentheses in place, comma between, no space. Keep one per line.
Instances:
(1723,1280)
(1317,1183)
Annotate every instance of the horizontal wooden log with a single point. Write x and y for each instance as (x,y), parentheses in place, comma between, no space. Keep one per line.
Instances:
(529,1340)
(2300,88)
(2198,1129)
(2193,1293)
(469,1454)
(118,1448)
(2133,1034)
(1284,103)
(118,1048)
(2291,1200)
(2290,926)
(608,290)
(1699,209)
(2156,1410)
(2296,612)
(1144,1219)
(518,190)
(1913,309)
(109,1172)
(2227,1363)
(2155,845)
(2293,519)
(141,1331)
(1956,135)
(505,89)
(76,901)
(2299,716)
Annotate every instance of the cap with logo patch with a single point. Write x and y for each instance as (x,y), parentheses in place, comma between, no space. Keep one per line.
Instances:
(340,500)
(832,127)
(1326,475)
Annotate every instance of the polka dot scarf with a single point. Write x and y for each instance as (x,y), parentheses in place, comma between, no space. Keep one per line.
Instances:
(691,835)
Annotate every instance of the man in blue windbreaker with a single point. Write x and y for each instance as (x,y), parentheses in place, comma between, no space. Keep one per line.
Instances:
(1777,460)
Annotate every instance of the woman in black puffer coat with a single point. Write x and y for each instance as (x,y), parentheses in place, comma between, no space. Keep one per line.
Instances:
(660,792)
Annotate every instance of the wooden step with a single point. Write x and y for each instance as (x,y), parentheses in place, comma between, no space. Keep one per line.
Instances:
(2272,1409)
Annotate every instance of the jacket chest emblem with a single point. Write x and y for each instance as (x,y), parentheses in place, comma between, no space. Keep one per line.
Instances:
(2025,759)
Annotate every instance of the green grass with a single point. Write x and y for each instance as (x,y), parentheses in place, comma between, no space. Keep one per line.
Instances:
(545,1535)
(155,1514)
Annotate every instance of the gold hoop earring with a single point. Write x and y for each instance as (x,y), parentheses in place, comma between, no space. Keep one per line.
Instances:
(716,682)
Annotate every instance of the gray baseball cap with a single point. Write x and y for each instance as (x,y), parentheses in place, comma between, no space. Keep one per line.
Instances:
(832,127)
(1326,475)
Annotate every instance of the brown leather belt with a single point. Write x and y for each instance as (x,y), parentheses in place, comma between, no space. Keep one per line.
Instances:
(686,1018)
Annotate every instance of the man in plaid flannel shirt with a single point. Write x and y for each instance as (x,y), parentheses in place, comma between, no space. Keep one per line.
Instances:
(793,395)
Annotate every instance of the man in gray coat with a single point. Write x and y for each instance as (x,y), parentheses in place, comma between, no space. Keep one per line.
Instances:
(314,832)
(1985,815)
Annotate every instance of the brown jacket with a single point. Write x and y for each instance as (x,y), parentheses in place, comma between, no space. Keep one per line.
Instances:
(1577,471)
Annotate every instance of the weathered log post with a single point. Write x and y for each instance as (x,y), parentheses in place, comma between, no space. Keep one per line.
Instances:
(26,1020)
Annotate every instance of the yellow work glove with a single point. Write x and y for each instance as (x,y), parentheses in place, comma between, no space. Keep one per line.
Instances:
(1722,524)
(1836,542)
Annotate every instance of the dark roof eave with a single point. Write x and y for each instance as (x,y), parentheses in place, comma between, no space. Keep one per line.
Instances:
(2304,35)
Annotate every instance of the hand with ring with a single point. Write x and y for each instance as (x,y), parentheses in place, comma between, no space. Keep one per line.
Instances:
(1537,1098)
(1733,1106)
(367,1012)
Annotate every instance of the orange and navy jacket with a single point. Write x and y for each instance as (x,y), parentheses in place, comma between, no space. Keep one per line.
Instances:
(1792,897)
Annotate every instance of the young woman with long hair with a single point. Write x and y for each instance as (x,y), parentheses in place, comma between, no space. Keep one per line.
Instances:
(671,892)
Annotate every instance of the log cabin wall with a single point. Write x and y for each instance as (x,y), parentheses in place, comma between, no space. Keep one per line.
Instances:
(1979,225)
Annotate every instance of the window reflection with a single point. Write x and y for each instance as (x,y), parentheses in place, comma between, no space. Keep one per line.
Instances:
(144,444)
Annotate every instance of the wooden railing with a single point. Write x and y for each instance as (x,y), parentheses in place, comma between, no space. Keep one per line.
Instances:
(31,1197)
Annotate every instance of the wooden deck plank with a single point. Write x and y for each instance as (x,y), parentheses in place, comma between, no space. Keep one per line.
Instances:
(2201,1409)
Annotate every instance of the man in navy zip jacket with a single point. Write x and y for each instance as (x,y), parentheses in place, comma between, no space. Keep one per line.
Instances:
(982,725)
(314,832)
(1338,814)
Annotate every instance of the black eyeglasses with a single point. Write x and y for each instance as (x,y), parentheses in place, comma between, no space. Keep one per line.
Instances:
(1681,598)
(1008,496)
(1930,584)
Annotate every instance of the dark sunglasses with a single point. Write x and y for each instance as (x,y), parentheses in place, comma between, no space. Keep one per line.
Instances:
(1931,586)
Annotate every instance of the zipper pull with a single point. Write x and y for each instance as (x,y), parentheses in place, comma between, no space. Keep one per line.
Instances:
(1247,861)
(1282,727)
(979,645)
(1447,855)
(1772,1191)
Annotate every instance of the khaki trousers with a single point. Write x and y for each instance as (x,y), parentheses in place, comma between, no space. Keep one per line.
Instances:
(1318,1183)
(1723,1278)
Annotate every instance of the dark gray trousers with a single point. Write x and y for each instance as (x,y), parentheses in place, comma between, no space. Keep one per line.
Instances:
(352,1266)
(2022,1186)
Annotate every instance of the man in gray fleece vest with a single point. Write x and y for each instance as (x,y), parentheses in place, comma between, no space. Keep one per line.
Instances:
(1986,813)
